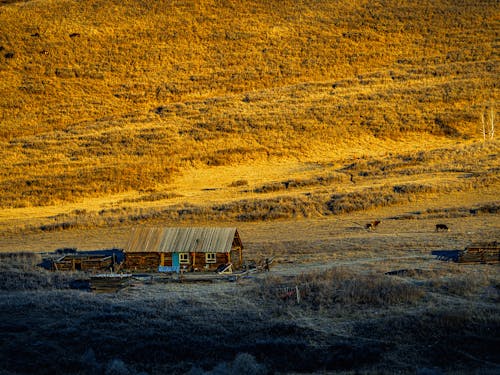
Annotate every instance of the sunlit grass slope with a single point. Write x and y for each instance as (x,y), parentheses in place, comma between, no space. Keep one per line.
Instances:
(104,96)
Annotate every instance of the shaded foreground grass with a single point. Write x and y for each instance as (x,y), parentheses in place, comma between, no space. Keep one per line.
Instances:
(349,319)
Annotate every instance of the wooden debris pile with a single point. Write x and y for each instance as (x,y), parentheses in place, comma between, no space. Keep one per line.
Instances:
(109,283)
(223,272)
(262,265)
(405,272)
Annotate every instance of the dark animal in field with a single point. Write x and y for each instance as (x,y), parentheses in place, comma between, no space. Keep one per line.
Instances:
(74,35)
(35,35)
(372,225)
(442,228)
(9,55)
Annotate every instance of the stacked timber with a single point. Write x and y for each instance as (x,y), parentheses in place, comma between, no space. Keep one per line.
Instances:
(109,283)
(483,252)
(199,277)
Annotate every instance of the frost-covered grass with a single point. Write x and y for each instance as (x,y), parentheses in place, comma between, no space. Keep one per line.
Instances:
(349,319)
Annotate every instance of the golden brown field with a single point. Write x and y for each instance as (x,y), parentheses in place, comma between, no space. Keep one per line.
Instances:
(125,103)
(298,122)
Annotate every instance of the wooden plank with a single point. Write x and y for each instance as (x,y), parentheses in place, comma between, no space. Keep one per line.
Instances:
(227,269)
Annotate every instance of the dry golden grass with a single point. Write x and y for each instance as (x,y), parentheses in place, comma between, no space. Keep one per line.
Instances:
(463,178)
(104,98)
(256,114)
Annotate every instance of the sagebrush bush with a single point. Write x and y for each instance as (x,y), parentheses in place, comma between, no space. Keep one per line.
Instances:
(244,364)
(22,271)
(339,287)
(461,285)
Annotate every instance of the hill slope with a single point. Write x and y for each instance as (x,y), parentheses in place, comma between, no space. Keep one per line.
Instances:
(102,97)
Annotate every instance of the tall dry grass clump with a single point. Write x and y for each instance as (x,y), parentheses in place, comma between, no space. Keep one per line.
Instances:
(341,288)
(22,271)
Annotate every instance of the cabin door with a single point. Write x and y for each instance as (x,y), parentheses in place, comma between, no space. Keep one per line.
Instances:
(175,260)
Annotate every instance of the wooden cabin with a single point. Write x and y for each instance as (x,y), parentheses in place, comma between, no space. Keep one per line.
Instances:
(183,249)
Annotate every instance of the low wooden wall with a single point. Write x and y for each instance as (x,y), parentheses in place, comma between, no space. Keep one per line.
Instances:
(84,263)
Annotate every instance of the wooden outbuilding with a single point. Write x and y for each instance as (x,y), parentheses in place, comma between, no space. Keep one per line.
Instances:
(481,252)
(84,262)
(70,259)
(183,249)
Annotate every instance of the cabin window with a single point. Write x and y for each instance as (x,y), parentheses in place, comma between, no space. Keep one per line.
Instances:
(210,257)
(184,258)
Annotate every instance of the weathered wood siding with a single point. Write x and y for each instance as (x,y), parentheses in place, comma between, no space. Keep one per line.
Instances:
(236,256)
(150,261)
(480,254)
(221,258)
(142,261)
(199,261)
(84,263)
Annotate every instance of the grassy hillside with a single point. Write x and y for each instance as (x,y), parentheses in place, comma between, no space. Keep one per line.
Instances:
(102,97)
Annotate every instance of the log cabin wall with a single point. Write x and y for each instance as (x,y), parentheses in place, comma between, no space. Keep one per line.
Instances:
(199,261)
(221,258)
(236,256)
(84,263)
(142,261)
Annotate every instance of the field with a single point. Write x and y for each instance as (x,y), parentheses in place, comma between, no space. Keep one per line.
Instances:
(432,317)
(298,122)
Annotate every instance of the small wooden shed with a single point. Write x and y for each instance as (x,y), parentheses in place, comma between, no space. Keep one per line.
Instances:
(481,252)
(84,262)
(170,249)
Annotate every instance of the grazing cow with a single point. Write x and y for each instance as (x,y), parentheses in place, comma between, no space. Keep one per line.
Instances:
(372,225)
(74,35)
(442,228)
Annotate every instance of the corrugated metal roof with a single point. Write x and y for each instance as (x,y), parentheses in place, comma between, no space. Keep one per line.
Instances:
(181,240)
